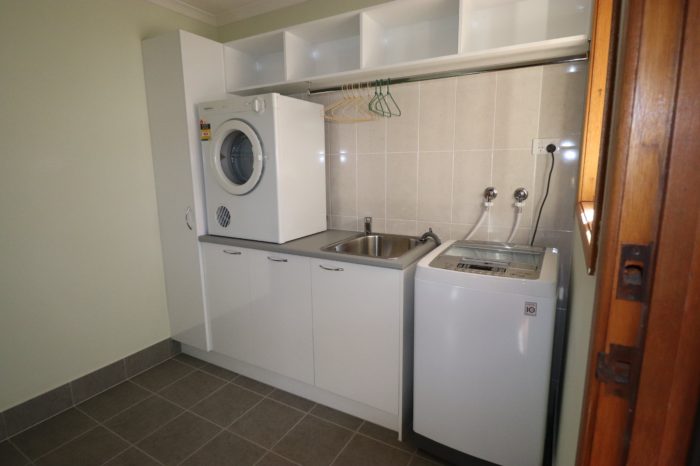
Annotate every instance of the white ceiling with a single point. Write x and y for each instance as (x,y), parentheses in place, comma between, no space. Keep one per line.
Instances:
(219,12)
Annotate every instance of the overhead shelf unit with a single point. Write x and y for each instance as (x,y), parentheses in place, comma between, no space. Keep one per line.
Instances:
(323,47)
(255,61)
(408,38)
(409,30)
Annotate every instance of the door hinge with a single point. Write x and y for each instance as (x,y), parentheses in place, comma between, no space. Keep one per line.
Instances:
(633,272)
(618,368)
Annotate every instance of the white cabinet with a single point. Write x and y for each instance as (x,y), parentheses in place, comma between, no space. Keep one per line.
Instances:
(180,70)
(335,332)
(259,307)
(228,300)
(357,316)
(280,286)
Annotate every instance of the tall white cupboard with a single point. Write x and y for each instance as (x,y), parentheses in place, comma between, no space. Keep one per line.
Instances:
(181,70)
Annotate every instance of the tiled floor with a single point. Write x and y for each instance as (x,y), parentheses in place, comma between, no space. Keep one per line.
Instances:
(185,411)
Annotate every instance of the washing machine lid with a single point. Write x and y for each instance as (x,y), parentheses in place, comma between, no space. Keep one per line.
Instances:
(486,258)
(235,153)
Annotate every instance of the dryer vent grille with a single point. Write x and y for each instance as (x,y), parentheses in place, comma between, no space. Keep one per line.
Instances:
(223,216)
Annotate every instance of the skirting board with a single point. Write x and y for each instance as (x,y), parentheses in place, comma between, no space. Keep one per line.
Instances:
(40,408)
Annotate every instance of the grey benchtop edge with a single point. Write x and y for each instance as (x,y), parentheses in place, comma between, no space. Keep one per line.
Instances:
(310,246)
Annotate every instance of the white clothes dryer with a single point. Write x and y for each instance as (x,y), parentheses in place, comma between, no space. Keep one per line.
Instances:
(264,167)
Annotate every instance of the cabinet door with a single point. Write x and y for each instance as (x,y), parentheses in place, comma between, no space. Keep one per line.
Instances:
(227,288)
(181,69)
(280,288)
(356,317)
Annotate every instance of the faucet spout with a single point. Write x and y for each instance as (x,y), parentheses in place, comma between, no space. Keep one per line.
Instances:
(368,225)
(430,234)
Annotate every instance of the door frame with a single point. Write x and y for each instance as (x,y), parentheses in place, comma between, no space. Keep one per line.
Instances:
(651,200)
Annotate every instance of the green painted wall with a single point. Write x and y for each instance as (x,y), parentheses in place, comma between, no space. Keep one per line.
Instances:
(81,279)
(295,14)
(580,318)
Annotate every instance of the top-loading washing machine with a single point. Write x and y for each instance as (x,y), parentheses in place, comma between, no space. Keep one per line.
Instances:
(484,327)
(264,167)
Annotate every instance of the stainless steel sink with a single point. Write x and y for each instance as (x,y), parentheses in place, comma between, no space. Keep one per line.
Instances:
(375,245)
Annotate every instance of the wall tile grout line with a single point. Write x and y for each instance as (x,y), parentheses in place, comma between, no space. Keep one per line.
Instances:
(454,136)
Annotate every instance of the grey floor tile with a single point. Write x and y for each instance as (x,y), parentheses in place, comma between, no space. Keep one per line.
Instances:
(368,452)
(254,385)
(178,439)
(313,442)
(227,404)
(37,409)
(92,448)
(52,433)
(163,374)
(420,460)
(11,456)
(189,360)
(267,422)
(140,420)
(98,381)
(192,388)
(274,460)
(338,417)
(219,372)
(149,357)
(113,401)
(132,457)
(385,435)
(292,400)
(226,449)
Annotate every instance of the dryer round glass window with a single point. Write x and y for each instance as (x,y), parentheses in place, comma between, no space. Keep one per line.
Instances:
(237,157)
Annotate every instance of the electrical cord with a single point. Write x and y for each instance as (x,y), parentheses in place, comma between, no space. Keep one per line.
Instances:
(551,148)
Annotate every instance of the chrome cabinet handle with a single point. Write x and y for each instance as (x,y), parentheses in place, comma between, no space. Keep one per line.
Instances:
(276,260)
(331,269)
(232,252)
(187,217)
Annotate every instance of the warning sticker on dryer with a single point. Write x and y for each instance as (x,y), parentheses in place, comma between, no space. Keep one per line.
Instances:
(204,130)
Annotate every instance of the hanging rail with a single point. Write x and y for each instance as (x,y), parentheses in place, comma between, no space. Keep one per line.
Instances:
(452,74)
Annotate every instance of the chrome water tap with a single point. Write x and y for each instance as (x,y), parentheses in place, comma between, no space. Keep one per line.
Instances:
(430,234)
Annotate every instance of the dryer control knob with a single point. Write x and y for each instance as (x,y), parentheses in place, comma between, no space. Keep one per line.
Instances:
(258,105)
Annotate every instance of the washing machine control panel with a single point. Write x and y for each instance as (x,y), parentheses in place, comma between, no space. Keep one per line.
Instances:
(496,259)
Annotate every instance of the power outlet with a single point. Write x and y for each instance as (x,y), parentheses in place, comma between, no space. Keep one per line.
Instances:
(539,146)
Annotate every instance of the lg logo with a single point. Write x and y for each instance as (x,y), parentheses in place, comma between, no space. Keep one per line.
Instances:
(531,309)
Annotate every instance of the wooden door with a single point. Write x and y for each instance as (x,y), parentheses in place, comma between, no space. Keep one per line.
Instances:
(652,204)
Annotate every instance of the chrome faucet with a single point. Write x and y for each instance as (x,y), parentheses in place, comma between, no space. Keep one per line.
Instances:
(368,225)
(430,234)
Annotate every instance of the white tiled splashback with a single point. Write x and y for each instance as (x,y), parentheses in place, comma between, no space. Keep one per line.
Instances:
(455,137)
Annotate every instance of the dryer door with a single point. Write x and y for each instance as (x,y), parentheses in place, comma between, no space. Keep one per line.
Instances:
(237,157)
